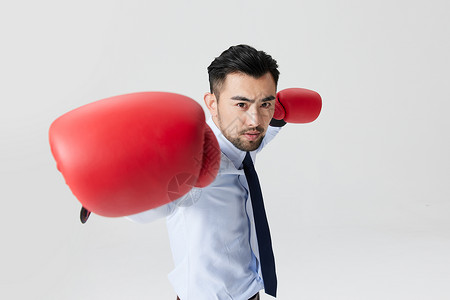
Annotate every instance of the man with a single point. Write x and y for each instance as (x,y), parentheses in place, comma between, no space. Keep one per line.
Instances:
(212,230)
(219,232)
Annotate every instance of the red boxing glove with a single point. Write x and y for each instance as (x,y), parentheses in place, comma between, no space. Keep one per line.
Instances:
(297,105)
(134,152)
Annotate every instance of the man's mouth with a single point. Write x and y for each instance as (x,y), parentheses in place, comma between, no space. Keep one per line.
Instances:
(252,135)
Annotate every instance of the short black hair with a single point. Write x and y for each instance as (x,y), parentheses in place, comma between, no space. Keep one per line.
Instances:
(240,59)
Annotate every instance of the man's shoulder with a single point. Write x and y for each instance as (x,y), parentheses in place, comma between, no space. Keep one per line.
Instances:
(272,131)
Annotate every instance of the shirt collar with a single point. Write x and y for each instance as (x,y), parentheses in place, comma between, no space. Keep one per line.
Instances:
(228,149)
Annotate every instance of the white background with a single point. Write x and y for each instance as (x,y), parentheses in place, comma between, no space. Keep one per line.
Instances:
(358,201)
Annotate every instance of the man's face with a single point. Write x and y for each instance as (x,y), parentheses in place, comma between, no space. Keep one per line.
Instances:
(244,110)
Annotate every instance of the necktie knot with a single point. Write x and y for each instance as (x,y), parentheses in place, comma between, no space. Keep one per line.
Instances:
(248,162)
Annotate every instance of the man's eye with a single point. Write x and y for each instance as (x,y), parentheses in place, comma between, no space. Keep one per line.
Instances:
(266,105)
(241,105)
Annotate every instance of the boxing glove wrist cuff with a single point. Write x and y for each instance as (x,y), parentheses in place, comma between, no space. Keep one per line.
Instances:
(277,123)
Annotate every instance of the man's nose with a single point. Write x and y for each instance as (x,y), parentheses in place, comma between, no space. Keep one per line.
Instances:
(253,117)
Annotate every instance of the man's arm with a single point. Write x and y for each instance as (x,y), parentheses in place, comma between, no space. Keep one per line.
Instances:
(152,214)
(166,210)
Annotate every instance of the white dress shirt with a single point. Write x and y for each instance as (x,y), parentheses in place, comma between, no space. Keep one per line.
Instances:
(212,233)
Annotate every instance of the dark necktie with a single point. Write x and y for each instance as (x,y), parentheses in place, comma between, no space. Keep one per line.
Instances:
(262,228)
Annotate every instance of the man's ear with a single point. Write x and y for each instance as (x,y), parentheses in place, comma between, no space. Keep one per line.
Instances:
(211,104)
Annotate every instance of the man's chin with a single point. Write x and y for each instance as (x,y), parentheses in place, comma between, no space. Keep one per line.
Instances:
(246,145)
